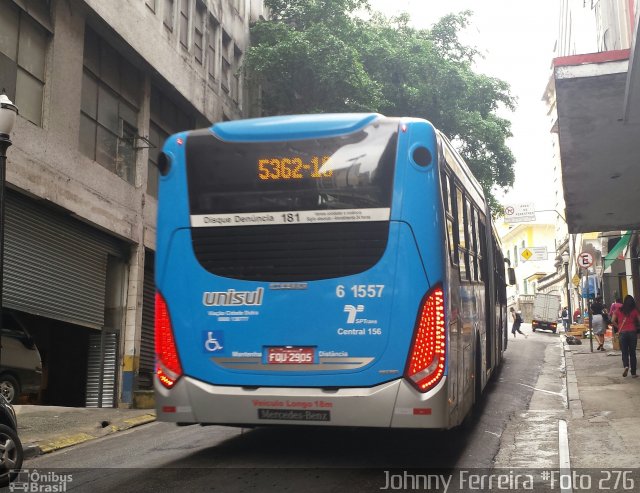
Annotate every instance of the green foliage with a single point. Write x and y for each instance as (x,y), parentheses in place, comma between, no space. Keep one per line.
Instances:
(318,56)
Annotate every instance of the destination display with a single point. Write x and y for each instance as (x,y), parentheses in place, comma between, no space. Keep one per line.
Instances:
(292,168)
(244,183)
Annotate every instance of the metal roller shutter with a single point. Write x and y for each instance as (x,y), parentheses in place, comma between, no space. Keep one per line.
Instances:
(54,265)
(102,368)
(147,353)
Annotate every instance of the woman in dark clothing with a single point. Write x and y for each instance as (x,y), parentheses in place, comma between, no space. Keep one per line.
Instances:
(625,319)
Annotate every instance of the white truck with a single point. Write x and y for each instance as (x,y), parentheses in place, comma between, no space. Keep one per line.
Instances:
(546,308)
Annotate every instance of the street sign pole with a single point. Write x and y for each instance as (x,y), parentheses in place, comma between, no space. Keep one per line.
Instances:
(585,260)
(589,306)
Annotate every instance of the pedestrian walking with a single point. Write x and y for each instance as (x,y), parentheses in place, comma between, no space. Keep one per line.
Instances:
(615,306)
(626,319)
(565,318)
(598,326)
(517,322)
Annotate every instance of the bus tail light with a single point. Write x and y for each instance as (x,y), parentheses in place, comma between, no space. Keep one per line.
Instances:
(425,365)
(168,369)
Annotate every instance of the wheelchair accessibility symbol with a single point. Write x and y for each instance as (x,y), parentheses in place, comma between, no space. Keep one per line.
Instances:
(213,341)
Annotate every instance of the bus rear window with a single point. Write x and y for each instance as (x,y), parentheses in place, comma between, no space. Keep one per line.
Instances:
(353,171)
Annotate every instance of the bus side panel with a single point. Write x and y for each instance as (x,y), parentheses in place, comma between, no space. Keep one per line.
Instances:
(421,206)
(172,190)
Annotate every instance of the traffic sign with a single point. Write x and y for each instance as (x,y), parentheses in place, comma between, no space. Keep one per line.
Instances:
(585,260)
(519,213)
(534,253)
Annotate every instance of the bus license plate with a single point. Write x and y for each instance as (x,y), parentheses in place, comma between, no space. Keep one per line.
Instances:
(290,356)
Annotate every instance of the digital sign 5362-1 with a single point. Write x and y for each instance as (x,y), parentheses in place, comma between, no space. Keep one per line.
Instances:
(293,168)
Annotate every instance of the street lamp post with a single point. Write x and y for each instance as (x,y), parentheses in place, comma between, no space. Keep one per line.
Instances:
(565,261)
(8,112)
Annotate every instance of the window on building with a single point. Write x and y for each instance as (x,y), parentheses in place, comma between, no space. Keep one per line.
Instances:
(166,119)
(240,7)
(226,65)
(157,136)
(212,41)
(237,60)
(110,103)
(23,47)
(169,7)
(198,32)
(184,23)
(151,4)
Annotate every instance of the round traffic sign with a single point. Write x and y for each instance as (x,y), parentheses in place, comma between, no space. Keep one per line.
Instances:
(585,260)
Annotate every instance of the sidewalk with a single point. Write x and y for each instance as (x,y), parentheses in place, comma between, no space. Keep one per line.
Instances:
(604,408)
(43,429)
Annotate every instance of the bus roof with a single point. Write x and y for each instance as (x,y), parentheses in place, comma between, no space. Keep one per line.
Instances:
(292,127)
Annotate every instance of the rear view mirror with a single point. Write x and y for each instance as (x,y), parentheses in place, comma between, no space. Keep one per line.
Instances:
(511,274)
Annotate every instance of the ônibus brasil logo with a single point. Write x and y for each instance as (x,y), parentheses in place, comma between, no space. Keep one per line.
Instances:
(233,298)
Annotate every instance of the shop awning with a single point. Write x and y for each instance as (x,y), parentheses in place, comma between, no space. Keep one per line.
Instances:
(618,250)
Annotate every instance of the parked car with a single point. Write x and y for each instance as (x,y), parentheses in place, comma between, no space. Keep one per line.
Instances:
(10,445)
(20,362)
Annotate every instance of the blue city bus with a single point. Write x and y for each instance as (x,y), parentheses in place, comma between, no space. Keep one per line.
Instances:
(333,270)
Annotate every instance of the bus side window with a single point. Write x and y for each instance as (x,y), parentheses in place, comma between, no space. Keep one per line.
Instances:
(471,246)
(449,215)
(463,257)
(482,259)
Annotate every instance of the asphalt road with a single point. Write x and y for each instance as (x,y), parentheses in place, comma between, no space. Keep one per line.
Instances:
(162,457)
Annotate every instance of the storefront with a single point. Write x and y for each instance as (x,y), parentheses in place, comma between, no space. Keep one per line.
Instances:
(67,281)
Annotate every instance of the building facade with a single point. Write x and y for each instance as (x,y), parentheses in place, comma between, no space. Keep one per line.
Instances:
(594,99)
(99,86)
(519,241)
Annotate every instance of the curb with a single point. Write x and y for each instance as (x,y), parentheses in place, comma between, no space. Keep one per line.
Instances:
(573,394)
(39,448)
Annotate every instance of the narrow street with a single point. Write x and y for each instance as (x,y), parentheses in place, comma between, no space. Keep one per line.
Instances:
(163,457)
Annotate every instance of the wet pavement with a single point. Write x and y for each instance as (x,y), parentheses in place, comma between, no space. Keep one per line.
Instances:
(43,429)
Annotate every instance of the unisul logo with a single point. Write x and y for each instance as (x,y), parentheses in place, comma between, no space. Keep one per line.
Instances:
(232,297)
(34,481)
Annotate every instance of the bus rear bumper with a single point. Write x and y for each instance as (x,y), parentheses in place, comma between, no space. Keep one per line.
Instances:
(393,404)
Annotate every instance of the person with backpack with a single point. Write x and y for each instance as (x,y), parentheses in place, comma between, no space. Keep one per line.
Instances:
(565,318)
(517,322)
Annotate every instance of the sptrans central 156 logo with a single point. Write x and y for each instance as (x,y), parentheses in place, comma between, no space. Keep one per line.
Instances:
(233,298)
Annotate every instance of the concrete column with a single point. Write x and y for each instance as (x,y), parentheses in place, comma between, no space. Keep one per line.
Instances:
(133,321)
(135,292)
